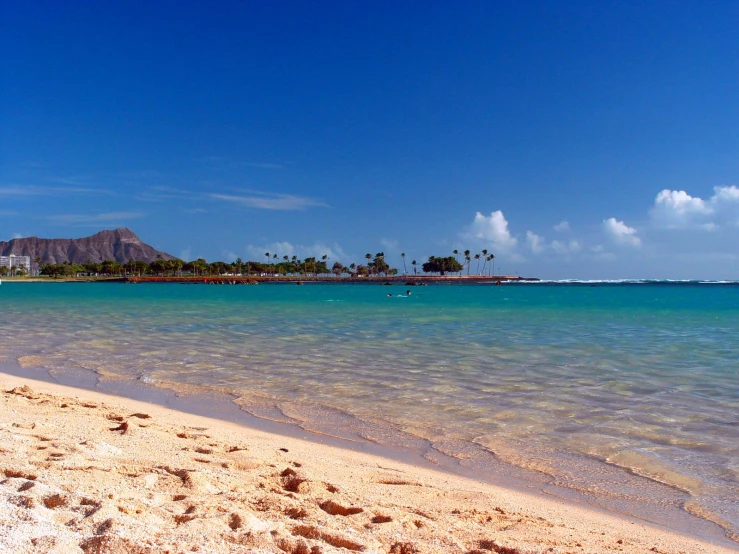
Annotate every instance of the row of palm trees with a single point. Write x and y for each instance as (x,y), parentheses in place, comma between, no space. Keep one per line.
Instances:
(273,264)
(483,255)
(19,270)
(15,271)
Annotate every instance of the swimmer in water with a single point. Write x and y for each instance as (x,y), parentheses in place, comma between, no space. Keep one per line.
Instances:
(407,293)
(390,295)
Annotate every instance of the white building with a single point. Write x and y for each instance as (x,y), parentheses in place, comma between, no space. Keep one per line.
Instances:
(16,261)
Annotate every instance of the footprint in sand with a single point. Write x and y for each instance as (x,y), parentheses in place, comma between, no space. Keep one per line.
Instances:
(54,501)
(123,427)
(334,539)
(26,486)
(291,481)
(404,548)
(235,521)
(334,509)
(20,473)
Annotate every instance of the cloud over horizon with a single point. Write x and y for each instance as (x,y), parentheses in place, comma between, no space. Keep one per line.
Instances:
(492,230)
(620,233)
(535,242)
(676,209)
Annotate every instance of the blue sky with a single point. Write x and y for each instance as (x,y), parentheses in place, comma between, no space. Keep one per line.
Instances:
(571,139)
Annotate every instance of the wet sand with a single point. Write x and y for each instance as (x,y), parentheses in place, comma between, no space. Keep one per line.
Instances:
(86,472)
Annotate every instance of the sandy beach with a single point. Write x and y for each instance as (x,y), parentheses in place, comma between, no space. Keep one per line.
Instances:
(87,472)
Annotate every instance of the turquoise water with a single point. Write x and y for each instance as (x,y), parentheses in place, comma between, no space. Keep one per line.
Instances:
(625,395)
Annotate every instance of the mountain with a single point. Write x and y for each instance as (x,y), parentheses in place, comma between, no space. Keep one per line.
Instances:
(121,245)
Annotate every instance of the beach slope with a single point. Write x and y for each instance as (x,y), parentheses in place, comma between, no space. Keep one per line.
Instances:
(85,472)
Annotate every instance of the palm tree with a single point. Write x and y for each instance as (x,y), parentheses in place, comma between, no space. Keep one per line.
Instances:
(177,265)
(369,257)
(456,253)
(268,257)
(414,263)
(380,265)
(325,259)
(37,260)
(484,260)
(492,265)
(477,257)
(467,260)
(405,270)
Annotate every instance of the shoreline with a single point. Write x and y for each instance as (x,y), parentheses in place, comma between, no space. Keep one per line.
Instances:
(331,462)
(203,401)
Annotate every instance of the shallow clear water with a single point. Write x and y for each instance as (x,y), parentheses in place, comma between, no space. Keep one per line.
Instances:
(566,386)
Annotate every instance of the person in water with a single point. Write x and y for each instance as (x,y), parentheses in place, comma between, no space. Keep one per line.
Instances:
(407,293)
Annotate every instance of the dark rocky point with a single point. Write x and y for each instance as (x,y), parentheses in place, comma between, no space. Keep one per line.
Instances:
(121,245)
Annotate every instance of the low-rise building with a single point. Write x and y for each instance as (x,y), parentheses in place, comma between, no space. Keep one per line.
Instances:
(14,261)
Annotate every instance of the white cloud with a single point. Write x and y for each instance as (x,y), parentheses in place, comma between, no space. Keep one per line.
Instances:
(725,194)
(229,256)
(163,193)
(537,245)
(492,229)
(17,236)
(317,249)
(677,209)
(562,226)
(571,247)
(535,242)
(73,219)
(271,202)
(186,254)
(33,190)
(621,233)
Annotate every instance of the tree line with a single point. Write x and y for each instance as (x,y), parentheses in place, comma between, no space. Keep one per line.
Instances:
(273,265)
(375,265)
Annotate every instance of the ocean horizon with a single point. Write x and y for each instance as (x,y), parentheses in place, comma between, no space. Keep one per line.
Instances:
(621,394)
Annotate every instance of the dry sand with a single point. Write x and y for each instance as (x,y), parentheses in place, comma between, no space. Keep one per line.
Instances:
(85,472)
